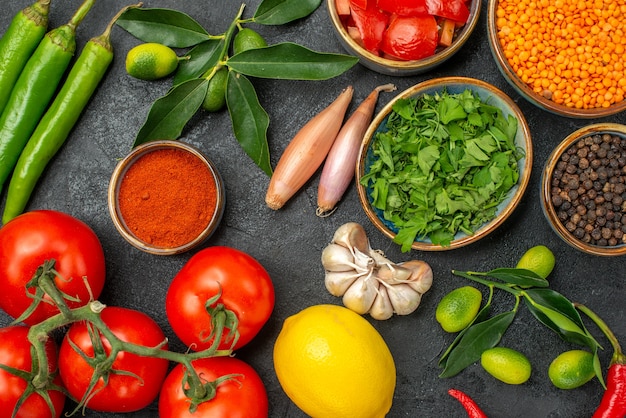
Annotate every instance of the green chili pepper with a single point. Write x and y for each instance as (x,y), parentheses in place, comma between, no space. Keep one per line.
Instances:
(56,124)
(24,33)
(34,89)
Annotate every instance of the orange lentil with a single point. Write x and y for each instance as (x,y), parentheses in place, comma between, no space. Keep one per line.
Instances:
(582,42)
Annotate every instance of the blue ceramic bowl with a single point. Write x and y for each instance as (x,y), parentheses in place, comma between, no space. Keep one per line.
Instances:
(452,85)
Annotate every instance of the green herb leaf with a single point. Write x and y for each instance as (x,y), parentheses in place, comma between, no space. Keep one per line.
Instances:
(279,12)
(559,314)
(450,162)
(169,114)
(290,61)
(249,119)
(200,59)
(520,277)
(165,26)
(476,339)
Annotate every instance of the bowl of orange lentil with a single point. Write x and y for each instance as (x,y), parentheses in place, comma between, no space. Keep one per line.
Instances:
(565,56)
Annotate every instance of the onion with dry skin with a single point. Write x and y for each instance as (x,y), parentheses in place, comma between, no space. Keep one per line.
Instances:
(306,151)
(367,281)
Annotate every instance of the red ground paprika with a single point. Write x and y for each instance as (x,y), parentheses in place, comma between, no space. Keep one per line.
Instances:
(167,197)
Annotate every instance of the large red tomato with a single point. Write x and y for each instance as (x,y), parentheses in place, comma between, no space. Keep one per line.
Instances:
(34,237)
(411,37)
(243,396)
(15,353)
(246,290)
(140,383)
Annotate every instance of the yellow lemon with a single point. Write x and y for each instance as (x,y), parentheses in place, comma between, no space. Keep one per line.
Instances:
(151,61)
(505,364)
(571,369)
(538,259)
(332,362)
(457,309)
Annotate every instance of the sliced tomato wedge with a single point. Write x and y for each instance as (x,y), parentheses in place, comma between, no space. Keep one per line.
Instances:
(403,7)
(455,10)
(361,4)
(371,23)
(411,37)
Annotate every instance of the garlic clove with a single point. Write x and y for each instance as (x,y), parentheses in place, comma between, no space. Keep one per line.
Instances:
(422,275)
(360,296)
(352,235)
(363,261)
(379,257)
(337,282)
(403,298)
(381,308)
(393,273)
(336,257)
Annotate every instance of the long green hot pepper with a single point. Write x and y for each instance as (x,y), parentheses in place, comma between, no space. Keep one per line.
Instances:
(34,89)
(26,30)
(56,124)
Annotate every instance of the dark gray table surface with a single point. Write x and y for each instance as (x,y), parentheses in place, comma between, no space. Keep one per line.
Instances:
(288,242)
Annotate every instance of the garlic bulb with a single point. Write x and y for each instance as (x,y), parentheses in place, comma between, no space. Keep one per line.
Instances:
(367,281)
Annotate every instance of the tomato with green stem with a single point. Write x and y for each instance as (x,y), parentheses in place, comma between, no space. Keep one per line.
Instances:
(17,367)
(97,371)
(233,389)
(36,237)
(219,289)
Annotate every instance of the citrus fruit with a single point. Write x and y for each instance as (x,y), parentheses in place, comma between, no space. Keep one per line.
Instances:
(571,369)
(457,309)
(332,362)
(538,259)
(151,61)
(215,98)
(247,39)
(507,365)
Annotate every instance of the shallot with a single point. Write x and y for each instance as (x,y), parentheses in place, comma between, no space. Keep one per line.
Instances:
(306,151)
(340,164)
(367,281)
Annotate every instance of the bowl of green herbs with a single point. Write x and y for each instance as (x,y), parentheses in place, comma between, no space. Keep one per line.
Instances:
(444,164)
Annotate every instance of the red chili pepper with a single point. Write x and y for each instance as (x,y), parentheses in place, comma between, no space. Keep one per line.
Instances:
(473,410)
(613,403)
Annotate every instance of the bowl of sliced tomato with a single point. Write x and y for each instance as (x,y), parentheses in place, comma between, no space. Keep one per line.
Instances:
(403,37)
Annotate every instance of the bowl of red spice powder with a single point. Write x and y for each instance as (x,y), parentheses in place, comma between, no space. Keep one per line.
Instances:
(166,197)
(566,57)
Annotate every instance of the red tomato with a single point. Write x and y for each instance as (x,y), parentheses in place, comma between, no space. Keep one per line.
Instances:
(411,38)
(359,3)
(34,237)
(403,7)
(246,288)
(371,23)
(244,396)
(124,392)
(455,10)
(15,352)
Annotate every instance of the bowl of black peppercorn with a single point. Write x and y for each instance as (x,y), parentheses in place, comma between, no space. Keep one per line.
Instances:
(583,189)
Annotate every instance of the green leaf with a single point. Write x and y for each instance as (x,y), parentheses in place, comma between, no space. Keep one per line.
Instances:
(165,26)
(170,113)
(520,277)
(200,59)
(249,119)
(477,338)
(290,61)
(559,314)
(279,12)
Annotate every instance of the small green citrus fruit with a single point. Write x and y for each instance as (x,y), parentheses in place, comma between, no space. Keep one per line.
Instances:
(215,98)
(247,39)
(151,61)
(571,369)
(538,259)
(507,365)
(457,309)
